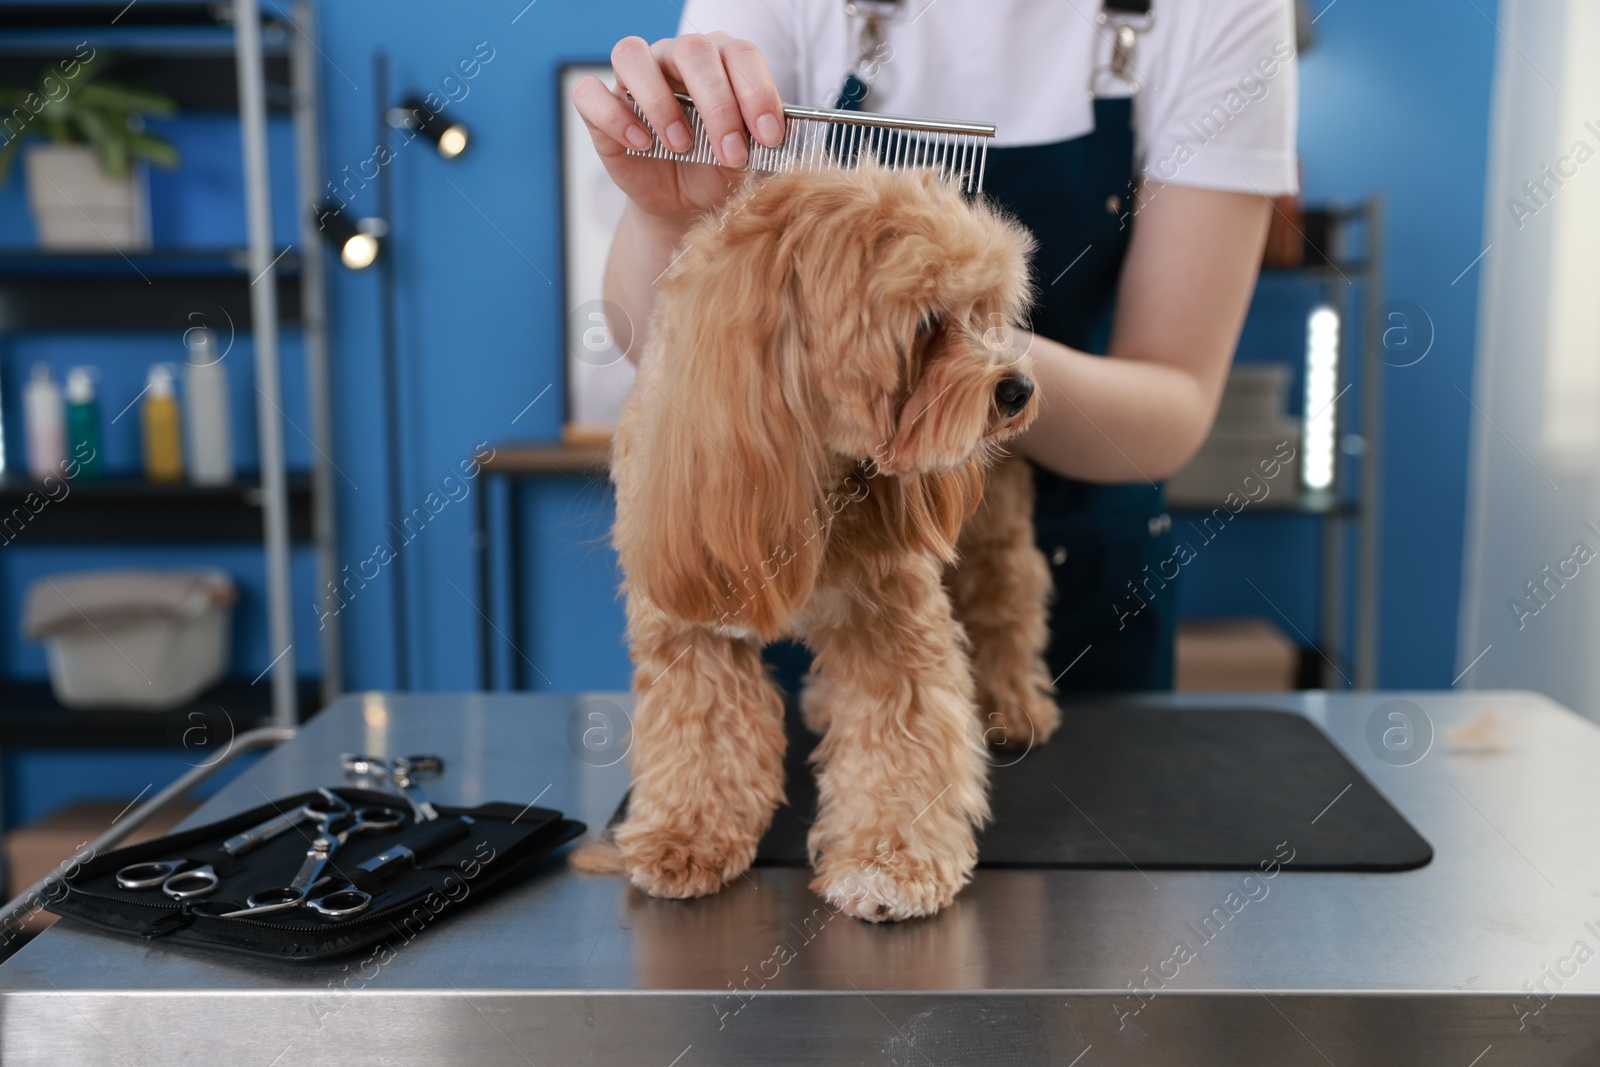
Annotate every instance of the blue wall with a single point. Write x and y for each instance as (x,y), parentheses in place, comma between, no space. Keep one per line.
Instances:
(478,257)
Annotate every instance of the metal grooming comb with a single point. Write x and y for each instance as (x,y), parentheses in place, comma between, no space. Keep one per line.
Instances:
(818,138)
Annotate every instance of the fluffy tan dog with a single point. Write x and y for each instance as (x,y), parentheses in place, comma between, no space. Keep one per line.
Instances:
(825,393)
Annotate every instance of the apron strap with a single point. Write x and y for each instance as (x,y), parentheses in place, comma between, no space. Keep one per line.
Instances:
(1126,19)
(869,50)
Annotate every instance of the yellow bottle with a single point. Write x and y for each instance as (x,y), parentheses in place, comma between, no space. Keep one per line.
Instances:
(163,447)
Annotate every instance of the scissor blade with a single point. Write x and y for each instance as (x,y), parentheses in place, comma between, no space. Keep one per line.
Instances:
(316,858)
(264,832)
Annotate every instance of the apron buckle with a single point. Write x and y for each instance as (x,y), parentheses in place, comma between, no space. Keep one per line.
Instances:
(1124,39)
(869,43)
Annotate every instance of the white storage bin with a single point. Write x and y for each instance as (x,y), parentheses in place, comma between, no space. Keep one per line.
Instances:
(1255,393)
(132,639)
(1234,453)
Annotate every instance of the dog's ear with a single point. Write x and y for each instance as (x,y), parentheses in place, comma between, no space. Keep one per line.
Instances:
(729,497)
(926,512)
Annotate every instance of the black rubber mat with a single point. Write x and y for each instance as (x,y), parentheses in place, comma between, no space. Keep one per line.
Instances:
(1125,786)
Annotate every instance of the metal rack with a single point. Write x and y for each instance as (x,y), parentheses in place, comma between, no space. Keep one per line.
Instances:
(189,47)
(1343,255)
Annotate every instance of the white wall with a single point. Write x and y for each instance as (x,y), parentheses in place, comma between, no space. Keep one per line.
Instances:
(1535,464)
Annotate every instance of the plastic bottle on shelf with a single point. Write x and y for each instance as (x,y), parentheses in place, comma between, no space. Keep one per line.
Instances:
(205,404)
(163,445)
(83,425)
(44,419)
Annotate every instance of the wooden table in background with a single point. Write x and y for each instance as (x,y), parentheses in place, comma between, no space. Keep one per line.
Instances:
(518,462)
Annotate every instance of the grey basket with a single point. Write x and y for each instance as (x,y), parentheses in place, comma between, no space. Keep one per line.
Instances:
(143,639)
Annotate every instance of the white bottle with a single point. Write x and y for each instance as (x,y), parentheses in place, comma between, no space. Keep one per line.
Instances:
(209,430)
(44,420)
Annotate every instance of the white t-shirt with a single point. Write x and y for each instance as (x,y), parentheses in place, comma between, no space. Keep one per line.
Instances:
(1217,99)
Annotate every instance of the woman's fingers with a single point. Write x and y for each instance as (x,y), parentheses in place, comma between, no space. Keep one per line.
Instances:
(695,60)
(608,114)
(727,78)
(639,73)
(752,85)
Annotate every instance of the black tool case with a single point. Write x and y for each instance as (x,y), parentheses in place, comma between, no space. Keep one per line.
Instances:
(502,842)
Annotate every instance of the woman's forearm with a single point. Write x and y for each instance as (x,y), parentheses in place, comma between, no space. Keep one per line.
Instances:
(641,249)
(1141,413)
(1104,419)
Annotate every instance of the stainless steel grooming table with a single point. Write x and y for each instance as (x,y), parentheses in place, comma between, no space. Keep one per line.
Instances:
(1066,968)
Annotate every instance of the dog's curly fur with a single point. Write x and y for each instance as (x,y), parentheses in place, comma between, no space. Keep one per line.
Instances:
(806,453)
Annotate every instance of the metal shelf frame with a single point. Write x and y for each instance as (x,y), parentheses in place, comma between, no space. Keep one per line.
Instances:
(287,286)
(251,69)
(1353,286)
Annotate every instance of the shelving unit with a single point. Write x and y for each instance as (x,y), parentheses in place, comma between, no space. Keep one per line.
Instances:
(31,717)
(209,57)
(1342,256)
(143,291)
(135,511)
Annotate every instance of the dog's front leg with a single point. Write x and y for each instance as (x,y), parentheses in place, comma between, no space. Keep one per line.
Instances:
(902,777)
(707,757)
(1001,588)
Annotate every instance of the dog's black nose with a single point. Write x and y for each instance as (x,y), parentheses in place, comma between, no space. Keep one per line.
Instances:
(1012,394)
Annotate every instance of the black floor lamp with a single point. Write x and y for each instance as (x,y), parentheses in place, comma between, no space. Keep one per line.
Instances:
(364,243)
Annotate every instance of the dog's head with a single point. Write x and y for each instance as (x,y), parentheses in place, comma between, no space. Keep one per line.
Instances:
(825,338)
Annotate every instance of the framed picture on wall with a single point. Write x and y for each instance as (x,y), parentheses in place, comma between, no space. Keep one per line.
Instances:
(598,375)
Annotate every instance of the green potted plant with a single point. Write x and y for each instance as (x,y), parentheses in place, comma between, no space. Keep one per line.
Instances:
(87,188)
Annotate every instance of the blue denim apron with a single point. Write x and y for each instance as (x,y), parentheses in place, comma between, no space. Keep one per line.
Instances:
(1110,547)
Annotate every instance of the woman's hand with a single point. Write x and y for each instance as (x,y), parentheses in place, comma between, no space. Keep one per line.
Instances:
(732,89)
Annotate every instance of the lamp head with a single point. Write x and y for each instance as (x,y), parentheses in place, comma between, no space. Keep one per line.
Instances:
(358,242)
(449,137)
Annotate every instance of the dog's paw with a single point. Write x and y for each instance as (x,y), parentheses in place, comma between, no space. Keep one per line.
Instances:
(1012,725)
(892,884)
(670,863)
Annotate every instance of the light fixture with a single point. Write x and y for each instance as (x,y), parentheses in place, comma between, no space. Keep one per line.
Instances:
(1322,378)
(358,242)
(448,136)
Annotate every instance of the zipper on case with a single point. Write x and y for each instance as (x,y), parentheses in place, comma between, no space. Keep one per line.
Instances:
(496,872)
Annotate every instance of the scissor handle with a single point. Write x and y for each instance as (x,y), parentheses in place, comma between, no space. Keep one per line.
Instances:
(374,818)
(335,805)
(200,882)
(148,875)
(340,902)
(278,898)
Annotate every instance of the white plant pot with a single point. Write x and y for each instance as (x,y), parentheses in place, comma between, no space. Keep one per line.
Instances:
(78,209)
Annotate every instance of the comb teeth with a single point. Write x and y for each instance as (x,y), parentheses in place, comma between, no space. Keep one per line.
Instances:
(826,139)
